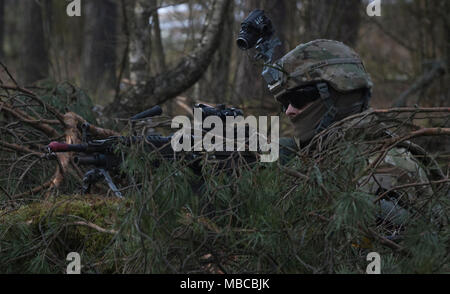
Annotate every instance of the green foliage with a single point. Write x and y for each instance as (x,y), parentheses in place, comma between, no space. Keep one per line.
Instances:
(194,215)
(67,97)
(36,238)
(21,171)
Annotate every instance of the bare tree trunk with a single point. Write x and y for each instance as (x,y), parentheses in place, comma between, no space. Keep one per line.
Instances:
(140,42)
(159,48)
(421,84)
(292,26)
(333,19)
(188,71)
(34,61)
(276,10)
(159,59)
(2,25)
(215,85)
(446,32)
(99,55)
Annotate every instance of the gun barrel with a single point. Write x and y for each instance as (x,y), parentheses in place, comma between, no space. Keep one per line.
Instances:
(99,160)
(64,147)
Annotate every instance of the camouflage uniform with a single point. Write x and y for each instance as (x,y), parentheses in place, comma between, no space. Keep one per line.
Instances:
(331,64)
(398,167)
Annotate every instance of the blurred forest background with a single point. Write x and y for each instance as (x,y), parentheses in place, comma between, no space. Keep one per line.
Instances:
(132,54)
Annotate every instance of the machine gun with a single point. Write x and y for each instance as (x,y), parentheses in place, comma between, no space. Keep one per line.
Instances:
(101,155)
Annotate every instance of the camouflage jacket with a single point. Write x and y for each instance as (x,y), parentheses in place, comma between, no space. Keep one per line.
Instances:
(395,177)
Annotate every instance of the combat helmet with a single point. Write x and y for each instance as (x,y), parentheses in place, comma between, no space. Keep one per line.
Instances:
(322,63)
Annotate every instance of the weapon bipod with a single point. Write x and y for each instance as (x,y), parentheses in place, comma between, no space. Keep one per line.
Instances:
(93,176)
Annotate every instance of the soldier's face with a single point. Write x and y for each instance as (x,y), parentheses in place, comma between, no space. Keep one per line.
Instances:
(292,112)
(296,100)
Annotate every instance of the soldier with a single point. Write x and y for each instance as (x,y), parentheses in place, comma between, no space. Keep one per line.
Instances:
(320,82)
(324,81)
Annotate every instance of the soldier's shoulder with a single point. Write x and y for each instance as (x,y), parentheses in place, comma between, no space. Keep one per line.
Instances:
(288,149)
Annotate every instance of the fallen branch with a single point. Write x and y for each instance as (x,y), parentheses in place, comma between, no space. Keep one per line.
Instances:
(74,119)
(19,148)
(32,95)
(40,124)
(188,71)
(392,142)
(92,226)
(422,83)
(35,190)
(408,186)
(388,243)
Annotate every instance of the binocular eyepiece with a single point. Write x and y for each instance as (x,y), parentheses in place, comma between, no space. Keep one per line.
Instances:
(254,29)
